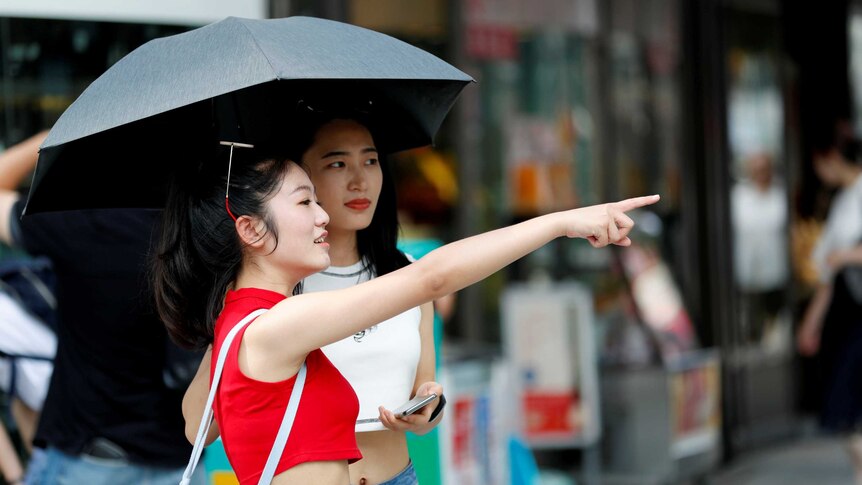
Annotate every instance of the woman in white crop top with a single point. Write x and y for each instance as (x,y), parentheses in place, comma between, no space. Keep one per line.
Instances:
(388,363)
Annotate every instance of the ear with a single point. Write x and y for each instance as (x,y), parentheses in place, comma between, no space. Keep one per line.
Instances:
(251,230)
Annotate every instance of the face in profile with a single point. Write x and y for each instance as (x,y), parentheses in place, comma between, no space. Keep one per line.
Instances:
(301,224)
(343,165)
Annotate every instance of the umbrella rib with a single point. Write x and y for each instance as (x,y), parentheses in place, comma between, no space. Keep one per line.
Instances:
(263,53)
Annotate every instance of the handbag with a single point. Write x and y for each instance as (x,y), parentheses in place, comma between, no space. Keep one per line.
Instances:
(206,420)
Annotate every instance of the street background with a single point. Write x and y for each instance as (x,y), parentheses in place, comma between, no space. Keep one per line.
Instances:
(673,361)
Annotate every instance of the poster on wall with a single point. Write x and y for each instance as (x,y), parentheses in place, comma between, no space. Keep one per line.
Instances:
(658,300)
(474,432)
(539,165)
(549,342)
(695,400)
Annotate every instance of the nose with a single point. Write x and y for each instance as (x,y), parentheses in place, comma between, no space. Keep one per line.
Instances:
(321,218)
(357,180)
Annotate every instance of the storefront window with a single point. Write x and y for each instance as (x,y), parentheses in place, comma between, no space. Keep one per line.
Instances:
(855,41)
(645,91)
(759,195)
(46,64)
(538,144)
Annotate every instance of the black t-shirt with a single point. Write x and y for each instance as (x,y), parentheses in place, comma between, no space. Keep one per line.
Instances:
(113,352)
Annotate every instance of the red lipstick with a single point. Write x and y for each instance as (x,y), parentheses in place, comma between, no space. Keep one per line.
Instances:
(358,204)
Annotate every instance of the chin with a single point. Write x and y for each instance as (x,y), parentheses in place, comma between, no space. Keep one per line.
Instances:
(354,222)
(360,224)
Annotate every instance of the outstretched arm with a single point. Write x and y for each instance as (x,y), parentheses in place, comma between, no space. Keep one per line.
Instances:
(298,325)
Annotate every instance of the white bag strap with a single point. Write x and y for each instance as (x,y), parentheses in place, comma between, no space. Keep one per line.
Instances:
(284,429)
(206,419)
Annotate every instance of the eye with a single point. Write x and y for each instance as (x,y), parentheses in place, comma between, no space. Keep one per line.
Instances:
(306,202)
(336,165)
(371,161)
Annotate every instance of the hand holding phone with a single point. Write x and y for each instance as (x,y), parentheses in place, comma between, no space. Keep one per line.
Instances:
(413,405)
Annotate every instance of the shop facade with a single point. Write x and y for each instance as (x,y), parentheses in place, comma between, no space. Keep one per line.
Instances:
(580,102)
(576,102)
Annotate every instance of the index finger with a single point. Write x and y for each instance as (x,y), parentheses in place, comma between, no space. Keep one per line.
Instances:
(636,202)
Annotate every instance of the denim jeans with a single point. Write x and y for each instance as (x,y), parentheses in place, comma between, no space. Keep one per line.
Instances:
(53,467)
(405,477)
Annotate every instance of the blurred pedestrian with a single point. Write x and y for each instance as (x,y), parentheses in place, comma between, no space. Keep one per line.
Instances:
(27,348)
(113,409)
(759,215)
(832,323)
(27,344)
(237,240)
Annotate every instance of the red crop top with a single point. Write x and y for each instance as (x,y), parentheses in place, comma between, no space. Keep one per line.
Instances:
(249,412)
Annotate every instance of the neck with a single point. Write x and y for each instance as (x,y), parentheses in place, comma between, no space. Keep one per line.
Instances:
(763,185)
(343,250)
(254,276)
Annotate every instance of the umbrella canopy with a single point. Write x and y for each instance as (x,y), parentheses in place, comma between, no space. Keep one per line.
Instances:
(238,80)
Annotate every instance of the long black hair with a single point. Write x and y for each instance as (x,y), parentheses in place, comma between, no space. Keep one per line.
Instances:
(377,243)
(199,252)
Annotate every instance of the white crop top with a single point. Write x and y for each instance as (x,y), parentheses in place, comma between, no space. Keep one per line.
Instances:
(379,362)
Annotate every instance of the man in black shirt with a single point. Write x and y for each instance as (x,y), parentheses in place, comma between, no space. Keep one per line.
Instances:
(113,410)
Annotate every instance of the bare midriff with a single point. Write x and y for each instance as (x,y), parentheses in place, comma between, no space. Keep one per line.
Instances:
(384,455)
(317,472)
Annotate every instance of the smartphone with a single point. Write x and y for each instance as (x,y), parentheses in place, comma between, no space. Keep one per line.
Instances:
(413,405)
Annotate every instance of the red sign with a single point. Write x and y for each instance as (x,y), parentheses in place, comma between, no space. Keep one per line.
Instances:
(491,42)
(551,413)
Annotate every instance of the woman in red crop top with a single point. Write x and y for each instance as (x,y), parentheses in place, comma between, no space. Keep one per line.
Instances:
(223,254)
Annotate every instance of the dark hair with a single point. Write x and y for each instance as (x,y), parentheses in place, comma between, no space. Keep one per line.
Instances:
(842,139)
(377,243)
(198,253)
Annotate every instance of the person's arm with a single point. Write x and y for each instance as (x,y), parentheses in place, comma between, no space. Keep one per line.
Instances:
(283,336)
(195,400)
(7,202)
(845,257)
(808,336)
(445,306)
(15,164)
(19,160)
(419,423)
(427,369)
(10,464)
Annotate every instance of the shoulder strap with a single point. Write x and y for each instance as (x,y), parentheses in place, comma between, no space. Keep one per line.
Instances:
(284,429)
(206,420)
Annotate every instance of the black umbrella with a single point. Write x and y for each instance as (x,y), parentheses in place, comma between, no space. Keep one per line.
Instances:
(238,80)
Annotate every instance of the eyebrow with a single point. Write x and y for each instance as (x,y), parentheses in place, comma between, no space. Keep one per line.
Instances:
(301,188)
(341,153)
